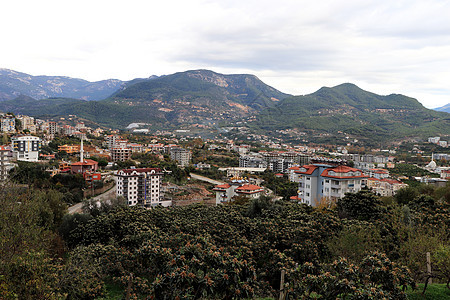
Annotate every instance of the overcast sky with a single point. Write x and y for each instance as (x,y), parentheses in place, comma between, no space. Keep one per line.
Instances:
(295,46)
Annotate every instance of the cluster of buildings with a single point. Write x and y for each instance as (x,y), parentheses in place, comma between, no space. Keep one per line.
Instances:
(437,140)
(276,161)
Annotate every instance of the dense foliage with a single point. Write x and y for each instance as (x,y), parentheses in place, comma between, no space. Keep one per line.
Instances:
(363,249)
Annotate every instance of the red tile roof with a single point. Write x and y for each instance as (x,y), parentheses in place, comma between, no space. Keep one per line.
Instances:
(221,187)
(249,189)
(343,169)
(87,162)
(309,169)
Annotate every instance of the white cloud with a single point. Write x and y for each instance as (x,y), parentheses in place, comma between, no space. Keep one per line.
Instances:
(296,46)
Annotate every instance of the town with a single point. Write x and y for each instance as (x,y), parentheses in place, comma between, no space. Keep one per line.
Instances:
(175,168)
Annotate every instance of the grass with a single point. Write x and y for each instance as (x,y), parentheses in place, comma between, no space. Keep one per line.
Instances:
(434,292)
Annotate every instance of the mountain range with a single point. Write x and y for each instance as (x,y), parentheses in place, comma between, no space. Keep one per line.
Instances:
(203,97)
(14,84)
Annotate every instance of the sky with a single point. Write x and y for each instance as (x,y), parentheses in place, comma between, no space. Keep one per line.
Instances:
(296,46)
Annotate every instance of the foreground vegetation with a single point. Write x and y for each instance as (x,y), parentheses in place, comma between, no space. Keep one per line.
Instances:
(361,249)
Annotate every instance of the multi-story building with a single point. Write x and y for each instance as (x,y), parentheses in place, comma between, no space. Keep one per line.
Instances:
(27,123)
(8,124)
(385,187)
(26,148)
(111,141)
(4,163)
(121,154)
(141,187)
(323,181)
(180,155)
(251,161)
(69,149)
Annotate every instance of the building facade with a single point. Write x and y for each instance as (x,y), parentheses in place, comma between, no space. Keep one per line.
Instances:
(181,156)
(121,154)
(141,186)
(4,163)
(26,148)
(322,181)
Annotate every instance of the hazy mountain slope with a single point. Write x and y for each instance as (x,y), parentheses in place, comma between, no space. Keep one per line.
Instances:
(445,108)
(13,84)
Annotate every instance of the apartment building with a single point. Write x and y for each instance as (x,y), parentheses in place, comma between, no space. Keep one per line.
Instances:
(4,163)
(385,187)
(121,154)
(8,124)
(324,181)
(180,155)
(26,148)
(141,186)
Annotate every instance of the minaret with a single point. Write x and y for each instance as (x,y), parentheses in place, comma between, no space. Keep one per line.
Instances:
(81,151)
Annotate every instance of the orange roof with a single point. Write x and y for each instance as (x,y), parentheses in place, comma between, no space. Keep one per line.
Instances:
(221,187)
(294,168)
(391,181)
(342,169)
(295,198)
(309,169)
(249,189)
(87,162)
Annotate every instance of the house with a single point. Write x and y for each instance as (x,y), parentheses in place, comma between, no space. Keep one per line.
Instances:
(141,186)
(81,167)
(324,181)
(237,187)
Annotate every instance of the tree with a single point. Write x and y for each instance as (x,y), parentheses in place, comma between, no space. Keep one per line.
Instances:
(405,195)
(363,206)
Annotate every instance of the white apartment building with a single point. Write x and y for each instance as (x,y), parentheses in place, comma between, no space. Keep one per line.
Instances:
(141,186)
(26,148)
(5,166)
(322,181)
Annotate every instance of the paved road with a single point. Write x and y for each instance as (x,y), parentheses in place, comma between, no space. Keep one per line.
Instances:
(206,179)
(111,193)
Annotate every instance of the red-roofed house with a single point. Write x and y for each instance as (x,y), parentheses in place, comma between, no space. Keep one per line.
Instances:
(225,192)
(83,166)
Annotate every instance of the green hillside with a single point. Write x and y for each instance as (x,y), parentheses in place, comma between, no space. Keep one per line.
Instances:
(349,109)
